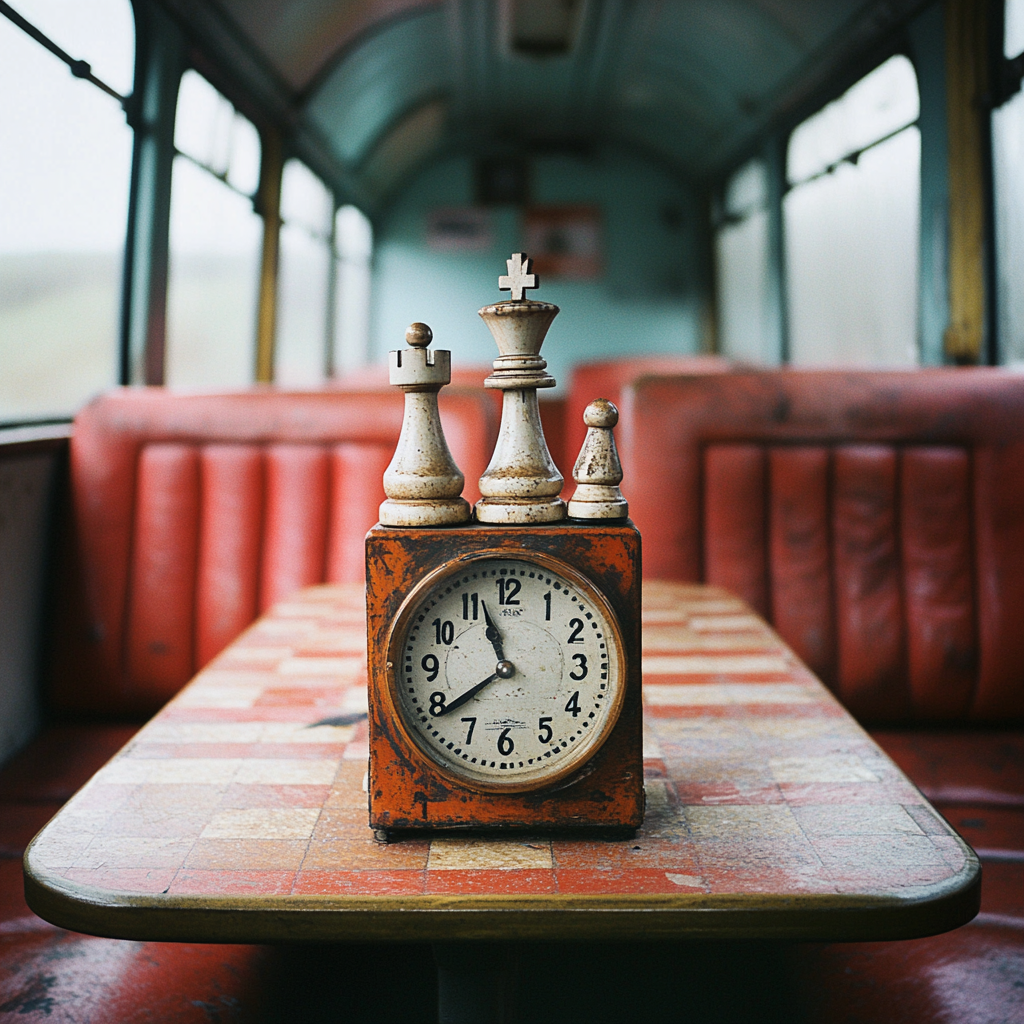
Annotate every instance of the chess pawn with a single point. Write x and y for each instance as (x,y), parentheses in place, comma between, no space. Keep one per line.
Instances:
(423,484)
(598,471)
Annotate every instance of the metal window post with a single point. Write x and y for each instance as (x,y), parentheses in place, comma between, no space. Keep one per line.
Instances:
(333,269)
(160,62)
(776,339)
(926,34)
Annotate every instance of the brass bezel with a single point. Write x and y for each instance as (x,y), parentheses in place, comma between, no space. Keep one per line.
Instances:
(396,635)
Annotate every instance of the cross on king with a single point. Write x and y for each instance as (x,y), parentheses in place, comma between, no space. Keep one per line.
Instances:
(517,280)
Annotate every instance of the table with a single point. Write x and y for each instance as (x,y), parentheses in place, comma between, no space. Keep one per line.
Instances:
(239,813)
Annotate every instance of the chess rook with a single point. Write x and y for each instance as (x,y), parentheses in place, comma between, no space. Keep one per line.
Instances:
(423,485)
(521,484)
(598,471)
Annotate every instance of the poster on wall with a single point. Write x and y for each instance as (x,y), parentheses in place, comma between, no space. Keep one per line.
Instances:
(564,241)
(459,229)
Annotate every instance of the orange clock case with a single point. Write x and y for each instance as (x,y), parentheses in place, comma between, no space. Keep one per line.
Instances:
(408,791)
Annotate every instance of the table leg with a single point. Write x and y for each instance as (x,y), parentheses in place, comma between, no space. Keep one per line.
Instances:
(476,982)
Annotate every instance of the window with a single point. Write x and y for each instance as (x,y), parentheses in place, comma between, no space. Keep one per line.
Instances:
(1008,189)
(215,245)
(851,225)
(304,279)
(1013,32)
(353,242)
(65,160)
(742,256)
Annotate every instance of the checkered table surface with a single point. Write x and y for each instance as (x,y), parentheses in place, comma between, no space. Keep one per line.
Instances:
(239,812)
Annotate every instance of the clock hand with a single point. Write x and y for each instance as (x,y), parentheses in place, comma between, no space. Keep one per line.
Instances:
(467,696)
(493,635)
(503,670)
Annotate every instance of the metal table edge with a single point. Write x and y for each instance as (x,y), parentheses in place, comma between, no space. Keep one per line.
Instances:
(823,917)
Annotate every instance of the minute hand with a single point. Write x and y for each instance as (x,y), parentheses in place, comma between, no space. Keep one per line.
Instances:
(467,696)
(493,635)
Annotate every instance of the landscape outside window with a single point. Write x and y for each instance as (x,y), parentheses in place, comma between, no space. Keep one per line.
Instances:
(65,166)
(851,221)
(215,242)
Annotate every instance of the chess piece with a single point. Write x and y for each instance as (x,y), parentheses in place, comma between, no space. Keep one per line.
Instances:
(503,656)
(521,484)
(598,471)
(423,484)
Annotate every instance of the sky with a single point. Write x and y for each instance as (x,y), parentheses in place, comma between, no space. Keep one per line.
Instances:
(66,153)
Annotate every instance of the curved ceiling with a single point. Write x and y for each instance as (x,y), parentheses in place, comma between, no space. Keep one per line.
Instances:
(369,89)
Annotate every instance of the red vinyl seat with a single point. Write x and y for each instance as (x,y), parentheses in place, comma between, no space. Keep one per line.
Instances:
(852,509)
(188,515)
(192,514)
(608,378)
(875,518)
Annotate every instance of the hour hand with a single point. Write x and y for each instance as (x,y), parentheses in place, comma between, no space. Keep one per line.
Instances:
(467,696)
(493,635)
(503,670)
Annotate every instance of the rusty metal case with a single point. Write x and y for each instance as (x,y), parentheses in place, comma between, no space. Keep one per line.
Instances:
(407,791)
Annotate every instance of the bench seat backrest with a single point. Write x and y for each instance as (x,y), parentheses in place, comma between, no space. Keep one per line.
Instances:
(192,514)
(607,378)
(876,518)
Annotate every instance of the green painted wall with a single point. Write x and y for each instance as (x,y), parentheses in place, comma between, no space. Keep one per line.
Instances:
(647,301)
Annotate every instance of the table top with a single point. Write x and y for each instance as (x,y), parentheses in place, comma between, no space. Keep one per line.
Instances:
(239,813)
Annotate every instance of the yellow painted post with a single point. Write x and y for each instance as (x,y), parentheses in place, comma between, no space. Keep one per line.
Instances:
(966,83)
(269,200)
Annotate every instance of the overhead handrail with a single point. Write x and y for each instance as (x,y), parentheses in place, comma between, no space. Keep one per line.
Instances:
(79,68)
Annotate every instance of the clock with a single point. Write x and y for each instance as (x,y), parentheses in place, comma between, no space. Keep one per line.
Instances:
(507,672)
(503,649)
(442,680)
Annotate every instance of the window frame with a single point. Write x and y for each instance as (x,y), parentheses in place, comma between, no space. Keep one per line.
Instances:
(1006,79)
(773,149)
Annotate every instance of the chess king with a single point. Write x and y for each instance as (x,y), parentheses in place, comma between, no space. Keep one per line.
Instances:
(503,642)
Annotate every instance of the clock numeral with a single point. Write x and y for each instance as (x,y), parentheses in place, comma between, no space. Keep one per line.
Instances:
(467,601)
(505,744)
(545,730)
(508,588)
(573,704)
(581,664)
(444,632)
(472,726)
(437,702)
(575,637)
(431,666)
(547,606)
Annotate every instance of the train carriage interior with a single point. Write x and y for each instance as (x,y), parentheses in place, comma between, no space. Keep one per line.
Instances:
(786,238)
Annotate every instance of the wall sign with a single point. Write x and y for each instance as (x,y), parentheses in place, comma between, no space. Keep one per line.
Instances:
(564,241)
(460,229)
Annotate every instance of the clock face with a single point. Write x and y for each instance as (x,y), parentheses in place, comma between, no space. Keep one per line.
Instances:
(507,672)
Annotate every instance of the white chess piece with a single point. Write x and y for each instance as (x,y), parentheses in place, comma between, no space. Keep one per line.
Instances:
(422,483)
(598,471)
(521,484)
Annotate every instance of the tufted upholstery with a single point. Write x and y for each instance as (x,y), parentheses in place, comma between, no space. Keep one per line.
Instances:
(607,378)
(192,514)
(876,518)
